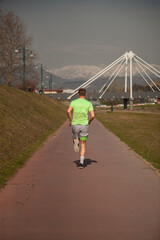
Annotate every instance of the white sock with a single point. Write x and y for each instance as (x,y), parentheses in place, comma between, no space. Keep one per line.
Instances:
(81,159)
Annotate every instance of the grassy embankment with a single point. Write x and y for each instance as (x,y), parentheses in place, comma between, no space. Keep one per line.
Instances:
(141,131)
(26,120)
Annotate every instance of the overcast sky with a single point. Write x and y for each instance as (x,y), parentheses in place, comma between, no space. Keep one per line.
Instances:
(90,32)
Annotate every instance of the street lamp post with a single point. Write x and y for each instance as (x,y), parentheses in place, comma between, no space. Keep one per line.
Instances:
(50,82)
(24,63)
(43,84)
(42,68)
(42,78)
(24,67)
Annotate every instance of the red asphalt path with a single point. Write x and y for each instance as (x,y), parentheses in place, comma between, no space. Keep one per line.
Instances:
(115,197)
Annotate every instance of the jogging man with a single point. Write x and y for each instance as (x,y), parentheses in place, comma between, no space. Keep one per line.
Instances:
(79,121)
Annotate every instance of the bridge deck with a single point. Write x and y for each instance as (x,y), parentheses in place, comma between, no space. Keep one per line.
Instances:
(112,95)
(115,197)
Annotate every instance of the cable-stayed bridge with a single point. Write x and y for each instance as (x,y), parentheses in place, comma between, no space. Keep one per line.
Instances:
(125,63)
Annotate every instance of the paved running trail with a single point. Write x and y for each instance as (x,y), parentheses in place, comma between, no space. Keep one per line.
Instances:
(115,197)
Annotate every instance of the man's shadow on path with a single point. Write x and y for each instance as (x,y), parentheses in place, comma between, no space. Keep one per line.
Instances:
(86,162)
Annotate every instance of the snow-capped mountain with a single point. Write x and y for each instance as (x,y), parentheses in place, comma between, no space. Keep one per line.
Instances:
(76,71)
(87,71)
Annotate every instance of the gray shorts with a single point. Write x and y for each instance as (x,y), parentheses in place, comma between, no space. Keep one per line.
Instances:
(79,131)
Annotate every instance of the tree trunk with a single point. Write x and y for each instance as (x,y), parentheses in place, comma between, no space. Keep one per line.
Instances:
(10,79)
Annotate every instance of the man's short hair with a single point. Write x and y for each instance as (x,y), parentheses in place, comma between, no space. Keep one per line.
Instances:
(82,92)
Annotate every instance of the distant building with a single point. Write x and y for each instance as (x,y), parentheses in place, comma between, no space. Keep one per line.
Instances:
(52,91)
(68,90)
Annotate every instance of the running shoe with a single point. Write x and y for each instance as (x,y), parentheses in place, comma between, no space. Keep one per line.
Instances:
(76,145)
(81,166)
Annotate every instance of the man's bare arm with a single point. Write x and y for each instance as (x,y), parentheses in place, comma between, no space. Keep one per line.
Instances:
(91,116)
(69,113)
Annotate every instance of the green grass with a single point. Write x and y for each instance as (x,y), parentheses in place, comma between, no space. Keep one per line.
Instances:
(155,107)
(141,131)
(26,120)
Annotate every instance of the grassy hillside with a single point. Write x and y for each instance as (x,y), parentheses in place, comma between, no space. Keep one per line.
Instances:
(26,120)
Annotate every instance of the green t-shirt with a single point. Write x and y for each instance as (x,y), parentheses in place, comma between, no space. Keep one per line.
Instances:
(81,107)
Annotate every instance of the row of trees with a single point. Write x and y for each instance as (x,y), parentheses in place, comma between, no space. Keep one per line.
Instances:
(13,42)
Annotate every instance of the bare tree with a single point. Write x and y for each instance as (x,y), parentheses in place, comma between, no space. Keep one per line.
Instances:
(12,37)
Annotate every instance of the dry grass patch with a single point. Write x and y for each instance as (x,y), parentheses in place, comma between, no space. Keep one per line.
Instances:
(141,131)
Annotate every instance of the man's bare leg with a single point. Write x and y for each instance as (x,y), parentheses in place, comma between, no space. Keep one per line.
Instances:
(83,148)
(76,144)
(82,152)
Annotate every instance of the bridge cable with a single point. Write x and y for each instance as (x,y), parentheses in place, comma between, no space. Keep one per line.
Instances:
(139,64)
(144,78)
(147,64)
(112,80)
(111,76)
(147,68)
